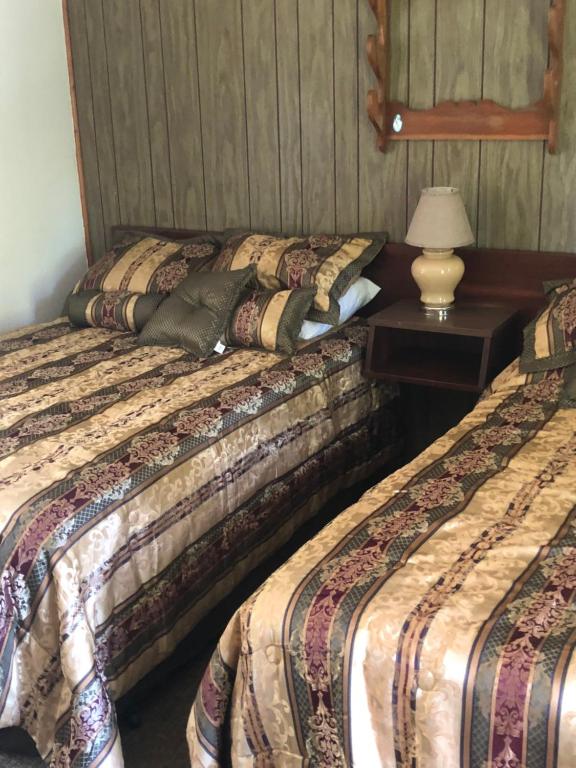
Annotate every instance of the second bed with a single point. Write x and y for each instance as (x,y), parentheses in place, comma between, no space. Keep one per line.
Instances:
(431,624)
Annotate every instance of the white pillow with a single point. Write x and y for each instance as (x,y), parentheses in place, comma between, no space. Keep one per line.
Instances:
(357,296)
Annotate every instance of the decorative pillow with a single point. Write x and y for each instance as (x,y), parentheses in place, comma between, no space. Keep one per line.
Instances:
(357,296)
(117,310)
(269,319)
(329,263)
(149,264)
(196,315)
(550,339)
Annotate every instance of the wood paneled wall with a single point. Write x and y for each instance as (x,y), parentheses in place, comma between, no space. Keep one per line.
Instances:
(222,113)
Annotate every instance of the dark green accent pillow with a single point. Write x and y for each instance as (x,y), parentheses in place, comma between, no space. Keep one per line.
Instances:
(196,315)
(117,310)
(270,320)
(550,339)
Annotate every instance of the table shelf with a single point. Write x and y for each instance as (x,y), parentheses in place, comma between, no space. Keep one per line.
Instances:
(435,368)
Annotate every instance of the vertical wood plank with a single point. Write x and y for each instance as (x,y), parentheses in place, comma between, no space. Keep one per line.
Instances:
(346,114)
(421,86)
(157,114)
(223,112)
(287,56)
(129,111)
(283,86)
(178,29)
(86,125)
(382,177)
(259,33)
(558,226)
(100,84)
(459,51)
(317,114)
(511,172)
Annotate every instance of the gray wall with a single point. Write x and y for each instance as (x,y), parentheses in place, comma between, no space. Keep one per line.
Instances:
(217,113)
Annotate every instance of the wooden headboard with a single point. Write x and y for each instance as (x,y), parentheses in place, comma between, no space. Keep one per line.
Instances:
(503,276)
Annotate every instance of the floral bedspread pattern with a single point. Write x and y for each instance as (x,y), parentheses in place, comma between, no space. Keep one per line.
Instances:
(431,625)
(137,486)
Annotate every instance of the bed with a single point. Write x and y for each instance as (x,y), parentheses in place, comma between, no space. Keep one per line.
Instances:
(138,485)
(433,623)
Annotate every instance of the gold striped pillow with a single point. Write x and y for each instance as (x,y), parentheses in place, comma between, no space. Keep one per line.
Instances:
(117,310)
(270,320)
(149,264)
(550,339)
(328,263)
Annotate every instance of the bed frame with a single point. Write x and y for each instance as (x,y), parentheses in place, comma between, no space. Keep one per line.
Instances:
(492,275)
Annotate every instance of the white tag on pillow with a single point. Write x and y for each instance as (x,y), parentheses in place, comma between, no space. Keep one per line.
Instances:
(219,348)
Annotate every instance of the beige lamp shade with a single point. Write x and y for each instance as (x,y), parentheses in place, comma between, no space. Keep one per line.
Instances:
(440,220)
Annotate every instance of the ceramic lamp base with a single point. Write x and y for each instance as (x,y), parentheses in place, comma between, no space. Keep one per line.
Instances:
(437,273)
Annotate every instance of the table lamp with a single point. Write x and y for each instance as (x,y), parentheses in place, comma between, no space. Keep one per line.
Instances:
(439,225)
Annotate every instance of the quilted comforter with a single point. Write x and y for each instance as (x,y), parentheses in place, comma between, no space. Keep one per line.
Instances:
(137,487)
(431,625)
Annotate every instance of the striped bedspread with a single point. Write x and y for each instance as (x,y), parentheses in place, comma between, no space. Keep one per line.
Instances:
(431,625)
(137,487)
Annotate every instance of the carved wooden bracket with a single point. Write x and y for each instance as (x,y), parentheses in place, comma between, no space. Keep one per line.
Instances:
(464,120)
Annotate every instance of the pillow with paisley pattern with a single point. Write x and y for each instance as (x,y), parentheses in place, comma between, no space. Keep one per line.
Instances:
(142,263)
(269,320)
(329,263)
(550,339)
(117,310)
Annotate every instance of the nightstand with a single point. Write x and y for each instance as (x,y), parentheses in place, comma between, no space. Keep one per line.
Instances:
(442,365)
(462,351)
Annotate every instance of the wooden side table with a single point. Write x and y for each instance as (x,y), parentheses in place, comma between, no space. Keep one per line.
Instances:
(442,365)
(464,351)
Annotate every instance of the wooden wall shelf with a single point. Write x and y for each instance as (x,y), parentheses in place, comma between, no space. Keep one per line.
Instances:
(464,120)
